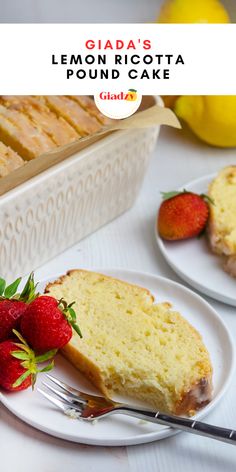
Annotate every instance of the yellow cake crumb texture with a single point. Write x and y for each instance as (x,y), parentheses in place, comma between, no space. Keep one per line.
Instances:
(9,160)
(133,346)
(222,221)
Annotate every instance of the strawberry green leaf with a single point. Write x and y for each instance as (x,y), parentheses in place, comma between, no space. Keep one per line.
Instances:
(46,356)
(69,314)
(72,313)
(63,304)
(207,198)
(21,379)
(30,364)
(48,367)
(76,328)
(26,287)
(12,288)
(23,347)
(28,293)
(20,355)
(20,337)
(33,379)
(2,286)
(168,195)
(71,304)
(30,361)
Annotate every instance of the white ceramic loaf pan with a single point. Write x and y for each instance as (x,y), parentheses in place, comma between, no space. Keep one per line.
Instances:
(57,208)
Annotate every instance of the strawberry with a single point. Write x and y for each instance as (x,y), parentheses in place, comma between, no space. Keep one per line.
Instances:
(18,364)
(182,215)
(47,323)
(13,305)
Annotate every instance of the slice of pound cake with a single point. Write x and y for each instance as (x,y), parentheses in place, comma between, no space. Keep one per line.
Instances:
(222,220)
(133,346)
(9,160)
(58,130)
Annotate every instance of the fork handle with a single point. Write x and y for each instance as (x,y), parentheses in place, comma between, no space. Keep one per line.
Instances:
(184,424)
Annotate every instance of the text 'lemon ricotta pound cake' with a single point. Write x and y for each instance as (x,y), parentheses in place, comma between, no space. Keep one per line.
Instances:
(222,220)
(134,347)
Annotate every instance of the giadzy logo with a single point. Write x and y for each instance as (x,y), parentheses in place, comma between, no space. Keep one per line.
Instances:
(118,104)
(131,95)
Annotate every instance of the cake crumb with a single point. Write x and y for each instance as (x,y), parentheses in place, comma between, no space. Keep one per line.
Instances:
(72,414)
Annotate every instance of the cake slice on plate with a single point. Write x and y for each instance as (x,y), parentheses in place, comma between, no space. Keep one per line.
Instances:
(222,220)
(133,346)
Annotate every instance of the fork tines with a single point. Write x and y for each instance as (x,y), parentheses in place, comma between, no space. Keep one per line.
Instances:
(66,399)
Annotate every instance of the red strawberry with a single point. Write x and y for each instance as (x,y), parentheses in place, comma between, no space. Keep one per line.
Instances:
(18,364)
(47,323)
(182,215)
(10,313)
(11,369)
(13,305)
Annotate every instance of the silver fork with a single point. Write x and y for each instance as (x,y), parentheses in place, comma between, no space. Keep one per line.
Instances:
(90,407)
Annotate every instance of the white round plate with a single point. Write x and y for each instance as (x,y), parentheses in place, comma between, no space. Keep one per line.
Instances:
(120,430)
(194,262)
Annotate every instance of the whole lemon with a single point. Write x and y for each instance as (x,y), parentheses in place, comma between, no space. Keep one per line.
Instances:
(198,11)
(211,118)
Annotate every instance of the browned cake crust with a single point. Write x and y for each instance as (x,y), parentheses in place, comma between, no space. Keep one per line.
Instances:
(198,396)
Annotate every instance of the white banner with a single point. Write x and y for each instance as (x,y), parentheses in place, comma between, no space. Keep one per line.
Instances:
(92,58)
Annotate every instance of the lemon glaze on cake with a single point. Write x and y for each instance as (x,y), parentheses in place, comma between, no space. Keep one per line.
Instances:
(134,347)
(222,220)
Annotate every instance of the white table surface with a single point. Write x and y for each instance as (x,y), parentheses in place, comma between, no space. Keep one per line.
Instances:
(129,242)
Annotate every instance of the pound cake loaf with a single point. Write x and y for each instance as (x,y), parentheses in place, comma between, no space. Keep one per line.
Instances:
(134,347)
(222,220)
(22,135)
(89,106)
(34,125)
(39,114)
(9,160)
(73,113)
